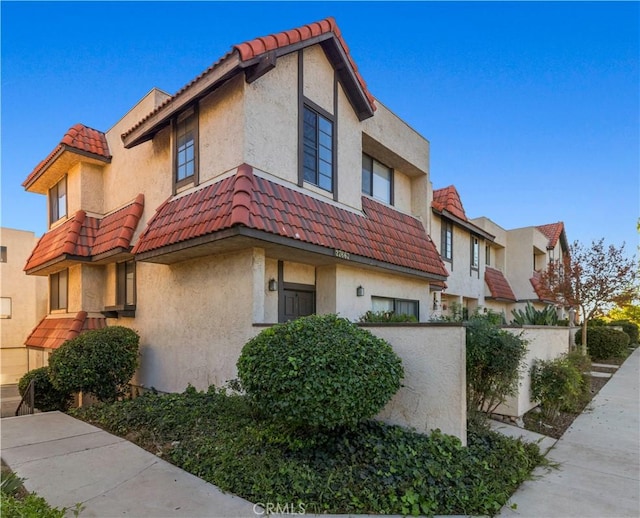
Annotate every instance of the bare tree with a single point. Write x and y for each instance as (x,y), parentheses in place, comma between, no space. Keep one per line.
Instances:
(592,278)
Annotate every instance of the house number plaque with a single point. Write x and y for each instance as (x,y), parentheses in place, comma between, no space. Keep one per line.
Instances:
(342,254)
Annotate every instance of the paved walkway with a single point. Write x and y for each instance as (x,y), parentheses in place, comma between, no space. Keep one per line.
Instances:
(69,461)
(599,456)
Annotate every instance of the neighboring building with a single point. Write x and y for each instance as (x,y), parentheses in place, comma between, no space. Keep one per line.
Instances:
(462,246)
(23,302)
(490,267)
(271,186)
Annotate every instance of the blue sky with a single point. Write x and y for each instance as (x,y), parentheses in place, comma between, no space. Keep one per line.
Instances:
(532,109)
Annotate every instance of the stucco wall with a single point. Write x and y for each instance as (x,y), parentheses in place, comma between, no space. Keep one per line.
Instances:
(433,395)
(544,343)
(193,318)
(28,294)
(521,244)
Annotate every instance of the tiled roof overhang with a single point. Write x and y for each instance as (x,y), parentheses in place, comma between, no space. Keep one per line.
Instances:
(554,232)
(447,203)
(251,206)
(255,58)
(52,332)
(85,238)
(79,143)
(542,292)
(498,285)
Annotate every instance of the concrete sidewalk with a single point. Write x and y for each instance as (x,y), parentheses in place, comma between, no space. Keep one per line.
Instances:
(67,461)
(599,457)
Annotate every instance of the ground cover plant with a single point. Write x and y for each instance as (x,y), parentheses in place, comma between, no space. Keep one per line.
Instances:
(367,468)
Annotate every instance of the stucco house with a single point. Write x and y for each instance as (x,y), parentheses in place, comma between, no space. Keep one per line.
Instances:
(23,303)
(491,267)
(271,186)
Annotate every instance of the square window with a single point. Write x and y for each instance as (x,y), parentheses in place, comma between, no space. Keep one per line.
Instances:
(377,180)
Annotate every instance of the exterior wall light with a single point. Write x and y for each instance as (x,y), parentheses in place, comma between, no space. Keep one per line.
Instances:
(360,291)
(273,285)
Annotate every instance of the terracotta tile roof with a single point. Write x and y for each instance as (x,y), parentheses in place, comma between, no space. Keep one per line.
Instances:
(83,236)
(383,234)
(51,333)
(552,232)
(78,138)
(252,49)
(541,291)
(498,285)
(116,229)
(448,199)
(258,46)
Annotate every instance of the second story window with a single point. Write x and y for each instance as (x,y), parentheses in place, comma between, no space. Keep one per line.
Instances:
(186,149)
(58,290)
(487,255)
(377,179)
(3,254)
(447,240)
(475,253)
(58,201)
(318,164)
(126,284)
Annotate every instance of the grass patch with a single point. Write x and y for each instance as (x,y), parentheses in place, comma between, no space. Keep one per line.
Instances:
(372,468)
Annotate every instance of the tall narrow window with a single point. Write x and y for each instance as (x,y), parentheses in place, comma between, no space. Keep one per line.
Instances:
(58,289)
(318,149)
(487,255)
(475,253)
(447,240)
(126,284)
(377,179)
(186,149)
(5,307)
(3,254)
(58,201)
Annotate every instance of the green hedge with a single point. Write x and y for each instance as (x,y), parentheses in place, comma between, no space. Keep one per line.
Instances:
(556,384)
(319,371)
(99,362)
(47,397)
(604,343)
(628,327)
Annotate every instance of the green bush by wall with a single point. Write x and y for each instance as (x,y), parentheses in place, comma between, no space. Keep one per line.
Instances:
(99,362)
(47,397)
(319,371)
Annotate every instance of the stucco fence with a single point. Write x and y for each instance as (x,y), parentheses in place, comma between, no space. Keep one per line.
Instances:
(433,392)
(543,343)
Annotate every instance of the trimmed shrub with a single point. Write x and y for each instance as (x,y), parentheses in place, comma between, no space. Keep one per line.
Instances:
(319,371)
(494,361)
(47,397)
(556,384)
(628,327)
(604,343)
(99,362)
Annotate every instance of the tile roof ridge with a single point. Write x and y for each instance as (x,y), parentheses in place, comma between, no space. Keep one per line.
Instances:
(242,198)
(75,228)
(76,326)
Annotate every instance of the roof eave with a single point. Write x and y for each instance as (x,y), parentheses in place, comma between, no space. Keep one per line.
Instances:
(465,224)
(217,75)
(31,181)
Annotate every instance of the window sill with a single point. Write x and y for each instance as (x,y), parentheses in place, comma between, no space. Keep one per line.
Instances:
(119,311)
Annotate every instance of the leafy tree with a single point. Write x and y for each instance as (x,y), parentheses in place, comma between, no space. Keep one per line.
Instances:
(593,279)
(628,312)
